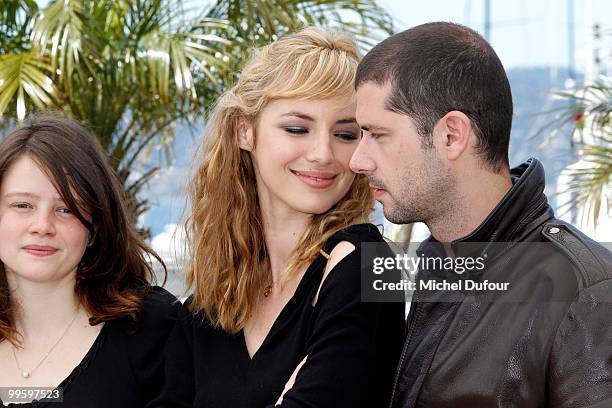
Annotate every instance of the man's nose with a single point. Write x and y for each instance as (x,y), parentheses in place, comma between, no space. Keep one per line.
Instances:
(361,162)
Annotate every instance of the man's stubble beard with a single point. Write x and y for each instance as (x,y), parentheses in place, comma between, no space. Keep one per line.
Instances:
(427,192)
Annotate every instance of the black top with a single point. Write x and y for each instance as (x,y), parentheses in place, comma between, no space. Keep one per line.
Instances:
(352,347)
(124,366)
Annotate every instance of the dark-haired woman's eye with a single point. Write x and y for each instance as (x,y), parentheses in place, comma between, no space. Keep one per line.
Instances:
(22,206)
(64,210)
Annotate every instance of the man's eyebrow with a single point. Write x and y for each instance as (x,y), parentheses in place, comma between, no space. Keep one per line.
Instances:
(374,128)
(346,121)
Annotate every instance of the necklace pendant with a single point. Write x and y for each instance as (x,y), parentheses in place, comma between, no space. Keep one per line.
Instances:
(267,291)
(25,374)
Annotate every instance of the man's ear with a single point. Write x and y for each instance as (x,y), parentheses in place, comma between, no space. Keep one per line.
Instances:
(452,134)
(245,135)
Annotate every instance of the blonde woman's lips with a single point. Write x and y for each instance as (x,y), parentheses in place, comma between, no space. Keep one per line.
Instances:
(315,179)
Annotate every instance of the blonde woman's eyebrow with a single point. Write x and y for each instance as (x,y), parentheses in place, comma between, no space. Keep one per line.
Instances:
(299,115)
(304,116)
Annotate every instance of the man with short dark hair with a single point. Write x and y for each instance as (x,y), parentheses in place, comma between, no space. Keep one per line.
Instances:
(435,108)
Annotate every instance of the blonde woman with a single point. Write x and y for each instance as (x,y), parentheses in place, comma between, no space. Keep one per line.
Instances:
(278,217)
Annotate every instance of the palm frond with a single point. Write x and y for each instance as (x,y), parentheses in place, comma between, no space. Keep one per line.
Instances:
(590,114)
(65,33)
(258,21)
(180,56)
(24,74)
(15,18)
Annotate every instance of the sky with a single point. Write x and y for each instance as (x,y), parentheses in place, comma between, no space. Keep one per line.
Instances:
(523,32)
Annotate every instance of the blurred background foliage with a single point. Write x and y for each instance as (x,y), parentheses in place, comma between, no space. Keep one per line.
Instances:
(133,70)
(586,112)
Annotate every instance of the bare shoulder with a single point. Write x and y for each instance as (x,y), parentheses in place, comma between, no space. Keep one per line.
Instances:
(340,251)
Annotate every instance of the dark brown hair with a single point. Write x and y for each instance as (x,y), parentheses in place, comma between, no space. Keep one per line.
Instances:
(114,274)
(439,67)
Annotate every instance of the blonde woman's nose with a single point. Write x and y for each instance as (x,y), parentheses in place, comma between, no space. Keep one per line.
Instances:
(321,150)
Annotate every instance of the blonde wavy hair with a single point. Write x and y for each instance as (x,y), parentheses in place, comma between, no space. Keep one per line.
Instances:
(229,263)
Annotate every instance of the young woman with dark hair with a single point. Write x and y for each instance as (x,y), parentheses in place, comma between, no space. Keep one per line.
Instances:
(78,313)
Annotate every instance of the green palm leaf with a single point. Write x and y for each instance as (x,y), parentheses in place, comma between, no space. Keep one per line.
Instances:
(258,21)
(15,17)
(590,115)
(65,33)
(24,74)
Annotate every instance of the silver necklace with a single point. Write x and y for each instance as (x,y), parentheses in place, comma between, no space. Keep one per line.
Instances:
(27,374)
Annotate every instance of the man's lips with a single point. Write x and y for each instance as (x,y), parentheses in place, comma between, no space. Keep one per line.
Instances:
(315,179)
(378,191)
(40,250)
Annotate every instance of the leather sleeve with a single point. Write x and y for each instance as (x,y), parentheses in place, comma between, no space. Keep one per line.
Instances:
(580,372)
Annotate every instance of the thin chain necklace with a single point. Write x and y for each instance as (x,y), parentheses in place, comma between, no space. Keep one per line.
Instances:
(27,374)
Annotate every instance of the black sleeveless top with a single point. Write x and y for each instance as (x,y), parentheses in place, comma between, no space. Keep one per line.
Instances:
(352,347)
(124,367)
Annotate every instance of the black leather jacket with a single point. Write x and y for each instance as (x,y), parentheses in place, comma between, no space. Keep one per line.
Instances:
(547,342)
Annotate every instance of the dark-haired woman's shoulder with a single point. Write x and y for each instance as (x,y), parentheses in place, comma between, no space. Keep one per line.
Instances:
(160,307)
(159,311)
(144,342)
(178,389)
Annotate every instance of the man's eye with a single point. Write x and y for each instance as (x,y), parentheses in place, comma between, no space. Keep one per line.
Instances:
(295,130)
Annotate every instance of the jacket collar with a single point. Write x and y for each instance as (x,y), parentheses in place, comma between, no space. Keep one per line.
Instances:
(523,204)
(515,214)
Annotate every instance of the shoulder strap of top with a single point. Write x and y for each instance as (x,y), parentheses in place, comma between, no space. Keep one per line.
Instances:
(355,234)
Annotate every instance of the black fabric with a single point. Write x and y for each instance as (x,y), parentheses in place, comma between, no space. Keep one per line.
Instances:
(546,342)
(352,347)
(124,367)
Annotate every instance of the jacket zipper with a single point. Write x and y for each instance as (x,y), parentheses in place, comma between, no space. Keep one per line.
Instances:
(406,343)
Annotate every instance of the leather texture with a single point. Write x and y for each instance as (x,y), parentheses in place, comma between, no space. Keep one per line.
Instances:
(546,342)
